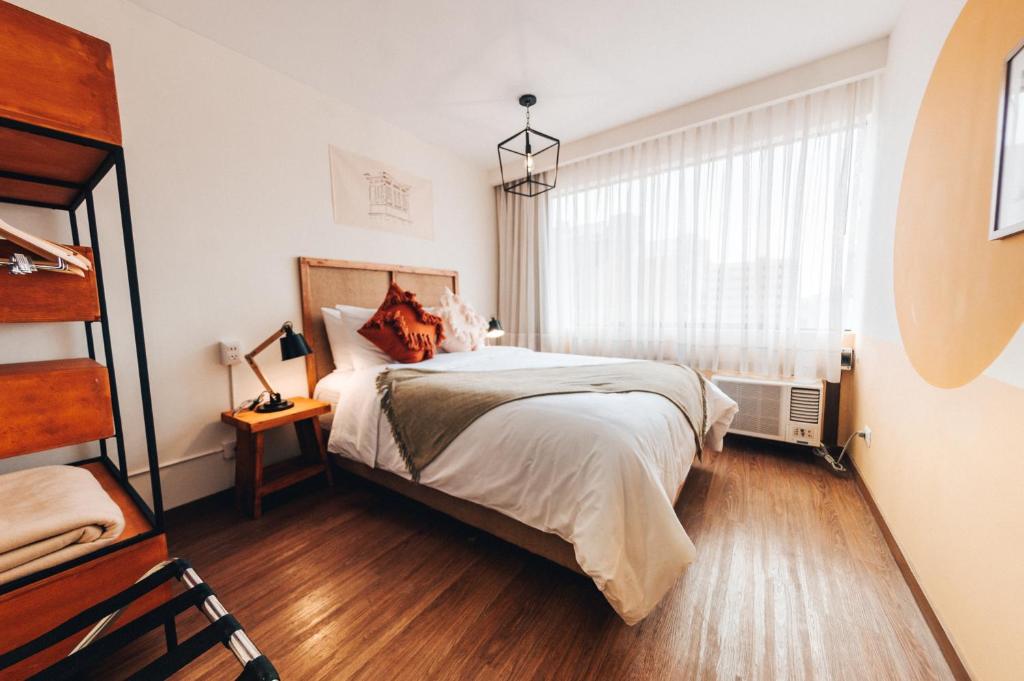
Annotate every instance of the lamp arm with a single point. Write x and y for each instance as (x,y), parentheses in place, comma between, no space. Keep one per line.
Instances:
(251,357)
(259,374)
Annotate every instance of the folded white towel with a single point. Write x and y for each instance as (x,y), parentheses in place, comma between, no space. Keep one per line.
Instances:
(50,515)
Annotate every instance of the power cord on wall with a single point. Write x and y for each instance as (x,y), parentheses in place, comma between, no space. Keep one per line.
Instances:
(234,407)
(837,462)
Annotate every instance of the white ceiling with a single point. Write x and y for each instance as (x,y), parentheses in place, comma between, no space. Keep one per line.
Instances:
(450,71)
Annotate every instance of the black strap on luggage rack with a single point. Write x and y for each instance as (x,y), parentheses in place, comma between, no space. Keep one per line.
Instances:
(223,628)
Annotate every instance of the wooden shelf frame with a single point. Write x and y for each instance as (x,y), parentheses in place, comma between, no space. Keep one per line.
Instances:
(66,167)
(110,158)
(60,136)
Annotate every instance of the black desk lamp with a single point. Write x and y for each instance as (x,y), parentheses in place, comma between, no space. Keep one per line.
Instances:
(292,345)
(494,329)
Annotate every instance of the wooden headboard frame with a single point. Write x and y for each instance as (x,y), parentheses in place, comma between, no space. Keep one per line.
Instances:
(326,283)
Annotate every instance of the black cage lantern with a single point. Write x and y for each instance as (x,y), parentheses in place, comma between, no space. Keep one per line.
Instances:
(525,151)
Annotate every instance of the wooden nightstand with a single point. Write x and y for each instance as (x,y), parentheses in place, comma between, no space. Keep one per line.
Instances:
(252,481)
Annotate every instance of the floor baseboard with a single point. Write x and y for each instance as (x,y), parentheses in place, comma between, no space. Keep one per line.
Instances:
(193,510)
(956,665)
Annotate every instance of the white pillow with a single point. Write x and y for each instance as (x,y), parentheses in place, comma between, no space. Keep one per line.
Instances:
(350,350)
(464,329)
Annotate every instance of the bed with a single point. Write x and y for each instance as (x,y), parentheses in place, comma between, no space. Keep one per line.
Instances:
(586,480)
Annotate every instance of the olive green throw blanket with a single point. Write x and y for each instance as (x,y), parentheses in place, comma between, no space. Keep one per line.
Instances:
(427,410)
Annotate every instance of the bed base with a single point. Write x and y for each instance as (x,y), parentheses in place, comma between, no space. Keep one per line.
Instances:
(537,542)
(543,544)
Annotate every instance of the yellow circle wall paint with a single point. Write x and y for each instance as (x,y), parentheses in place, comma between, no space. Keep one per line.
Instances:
(959,296)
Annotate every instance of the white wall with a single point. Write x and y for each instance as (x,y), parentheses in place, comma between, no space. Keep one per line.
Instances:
(229,182)
(913,48)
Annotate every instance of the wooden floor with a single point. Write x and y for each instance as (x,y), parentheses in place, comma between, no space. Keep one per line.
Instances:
(792,581)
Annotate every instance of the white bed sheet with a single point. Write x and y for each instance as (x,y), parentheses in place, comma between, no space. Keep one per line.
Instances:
(599,470)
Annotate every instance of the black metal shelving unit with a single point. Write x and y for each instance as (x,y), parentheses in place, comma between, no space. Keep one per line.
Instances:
(223,628)
(82,193)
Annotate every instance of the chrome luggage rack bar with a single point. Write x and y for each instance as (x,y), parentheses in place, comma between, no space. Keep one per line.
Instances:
(223,628)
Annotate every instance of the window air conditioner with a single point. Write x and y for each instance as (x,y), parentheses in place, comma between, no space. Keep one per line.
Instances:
(788,411)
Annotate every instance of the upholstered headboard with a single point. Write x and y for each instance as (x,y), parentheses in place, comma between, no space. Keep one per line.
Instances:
(326,283)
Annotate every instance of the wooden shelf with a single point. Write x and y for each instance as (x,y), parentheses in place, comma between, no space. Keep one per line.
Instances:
(38,156)
(57,77)
(33,609)
(53,404)
(286,473)
(60,79)
(255,422)
(135,521)
(47,296)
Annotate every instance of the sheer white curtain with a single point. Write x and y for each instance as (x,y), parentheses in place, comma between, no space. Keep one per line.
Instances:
(721,245)
(522,226)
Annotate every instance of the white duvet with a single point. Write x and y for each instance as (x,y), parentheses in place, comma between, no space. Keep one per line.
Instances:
(599,470)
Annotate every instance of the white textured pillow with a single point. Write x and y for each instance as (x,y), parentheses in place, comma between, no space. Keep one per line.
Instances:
(464,329)
(349,349)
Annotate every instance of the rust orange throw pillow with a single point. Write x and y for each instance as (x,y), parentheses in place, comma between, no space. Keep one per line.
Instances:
(403,329)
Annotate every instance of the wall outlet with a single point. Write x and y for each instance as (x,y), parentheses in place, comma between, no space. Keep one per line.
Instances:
(227,449)
(230,353)
(866,434)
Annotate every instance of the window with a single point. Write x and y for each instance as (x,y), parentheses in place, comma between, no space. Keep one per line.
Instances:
(722,245)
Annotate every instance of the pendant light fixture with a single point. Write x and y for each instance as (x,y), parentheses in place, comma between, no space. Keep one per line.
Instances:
(522,155)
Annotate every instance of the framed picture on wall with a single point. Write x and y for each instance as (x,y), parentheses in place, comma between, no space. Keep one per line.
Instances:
(1008,202)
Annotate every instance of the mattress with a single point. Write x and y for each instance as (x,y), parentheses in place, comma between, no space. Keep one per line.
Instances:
(330,388)
(599,470)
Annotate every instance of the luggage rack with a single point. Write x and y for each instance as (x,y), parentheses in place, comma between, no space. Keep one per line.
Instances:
(223,628)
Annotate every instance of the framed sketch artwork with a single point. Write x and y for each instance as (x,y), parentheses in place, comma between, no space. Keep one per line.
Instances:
(1009,186)
(372,194)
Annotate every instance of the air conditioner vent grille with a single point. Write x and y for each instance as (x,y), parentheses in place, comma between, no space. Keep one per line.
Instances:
(804,405)
(759,406)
